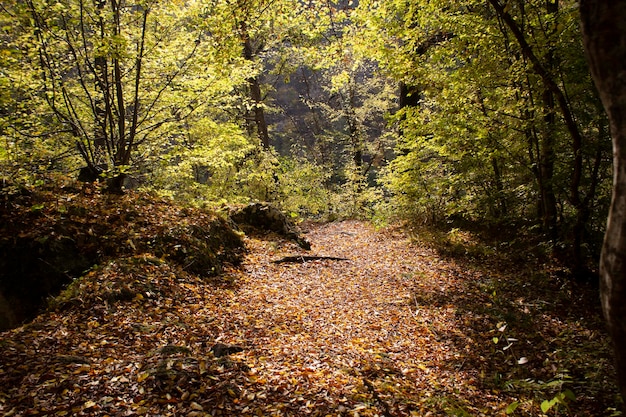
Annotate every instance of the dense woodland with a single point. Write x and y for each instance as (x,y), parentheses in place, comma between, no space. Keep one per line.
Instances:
(456,118)
(431,111)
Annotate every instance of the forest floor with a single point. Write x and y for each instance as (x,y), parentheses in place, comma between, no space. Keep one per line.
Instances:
(396,329)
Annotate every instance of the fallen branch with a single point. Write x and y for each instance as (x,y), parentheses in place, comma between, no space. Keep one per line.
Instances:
(302,259)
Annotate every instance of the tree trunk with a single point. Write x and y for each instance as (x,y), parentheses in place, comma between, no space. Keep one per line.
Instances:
(259,114)
(500,203)
(356,142)
(547,157)
(546,167)
(604,28)
(100,113)
(255,93)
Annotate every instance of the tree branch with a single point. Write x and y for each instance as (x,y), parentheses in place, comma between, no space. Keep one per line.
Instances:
(550,84)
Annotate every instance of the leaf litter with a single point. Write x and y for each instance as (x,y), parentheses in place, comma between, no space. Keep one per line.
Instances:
(392,330)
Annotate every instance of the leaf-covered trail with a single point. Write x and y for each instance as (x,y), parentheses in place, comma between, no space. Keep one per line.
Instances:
(341,336)
(394,330)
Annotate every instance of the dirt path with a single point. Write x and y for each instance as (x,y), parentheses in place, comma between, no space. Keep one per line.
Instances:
(393,331)
(327,337)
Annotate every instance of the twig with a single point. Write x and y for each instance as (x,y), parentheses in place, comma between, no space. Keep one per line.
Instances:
(302,259)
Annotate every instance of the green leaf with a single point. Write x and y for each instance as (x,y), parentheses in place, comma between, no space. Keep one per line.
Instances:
(569,395)
(37,207)
(512,407)
(547,405)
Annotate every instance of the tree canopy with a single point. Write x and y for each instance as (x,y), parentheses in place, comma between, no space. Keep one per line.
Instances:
(429,111)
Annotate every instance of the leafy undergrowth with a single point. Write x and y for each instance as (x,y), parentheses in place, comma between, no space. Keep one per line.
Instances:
(394,330)
(49,236)
(102,225)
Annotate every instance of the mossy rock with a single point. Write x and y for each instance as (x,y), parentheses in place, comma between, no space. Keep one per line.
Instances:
(265,216)
(200,249)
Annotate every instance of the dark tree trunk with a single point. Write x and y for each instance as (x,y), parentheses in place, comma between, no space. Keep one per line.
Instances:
(501,206)
(258,117)
(259,114)
(547,156)
(604,29)
(546,168)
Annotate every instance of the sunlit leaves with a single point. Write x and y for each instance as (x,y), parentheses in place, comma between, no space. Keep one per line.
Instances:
(479,100)
(159,76)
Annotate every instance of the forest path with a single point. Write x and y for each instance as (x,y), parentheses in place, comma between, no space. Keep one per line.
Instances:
(395,330)
(374,334)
